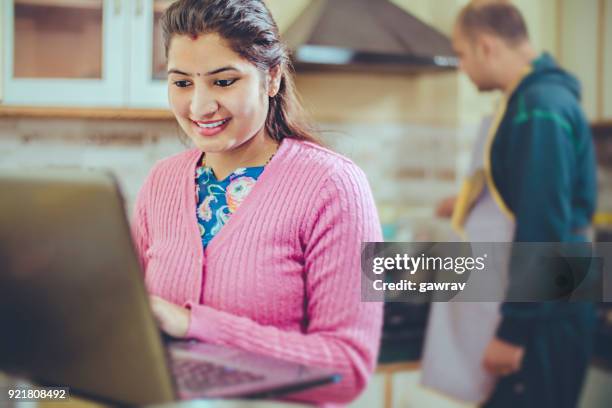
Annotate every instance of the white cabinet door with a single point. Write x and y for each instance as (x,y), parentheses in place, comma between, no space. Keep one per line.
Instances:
(579,48)
(148,87)
(65,52)
(2,24)
(607,70)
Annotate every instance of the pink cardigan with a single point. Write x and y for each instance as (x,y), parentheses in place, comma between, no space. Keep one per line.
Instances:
(282,277)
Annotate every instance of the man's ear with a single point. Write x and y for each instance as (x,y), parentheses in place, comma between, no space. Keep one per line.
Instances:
(488,45)
(274,79)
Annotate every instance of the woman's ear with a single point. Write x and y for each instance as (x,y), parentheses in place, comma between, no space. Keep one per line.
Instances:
(274,79)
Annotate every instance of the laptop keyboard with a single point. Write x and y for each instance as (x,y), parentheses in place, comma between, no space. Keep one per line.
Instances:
(197,375)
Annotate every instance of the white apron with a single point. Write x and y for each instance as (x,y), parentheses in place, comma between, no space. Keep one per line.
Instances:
(458,333)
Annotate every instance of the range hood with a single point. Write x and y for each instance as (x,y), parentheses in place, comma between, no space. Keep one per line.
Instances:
(366,35)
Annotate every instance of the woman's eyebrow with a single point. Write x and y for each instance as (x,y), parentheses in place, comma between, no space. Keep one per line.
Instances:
(222,69)
(176,71)
(213,72)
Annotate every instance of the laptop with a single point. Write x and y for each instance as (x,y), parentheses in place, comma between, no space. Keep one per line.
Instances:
(74,310)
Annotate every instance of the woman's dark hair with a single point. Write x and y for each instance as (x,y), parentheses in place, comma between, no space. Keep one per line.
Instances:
(253,34)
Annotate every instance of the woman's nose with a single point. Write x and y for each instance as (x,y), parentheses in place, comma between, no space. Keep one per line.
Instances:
(203,104)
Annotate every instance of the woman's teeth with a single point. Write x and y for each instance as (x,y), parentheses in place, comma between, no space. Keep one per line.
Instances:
(212,125)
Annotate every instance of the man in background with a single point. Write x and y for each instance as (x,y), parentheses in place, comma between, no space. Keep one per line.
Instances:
(537,180)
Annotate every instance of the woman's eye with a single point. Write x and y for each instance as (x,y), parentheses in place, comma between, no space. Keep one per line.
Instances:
(181,84)
(224,82)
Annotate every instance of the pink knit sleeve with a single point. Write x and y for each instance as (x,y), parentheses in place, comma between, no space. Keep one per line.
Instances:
(343,333)
(140,235)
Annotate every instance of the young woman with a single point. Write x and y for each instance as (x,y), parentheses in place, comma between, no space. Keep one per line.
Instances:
(252,239)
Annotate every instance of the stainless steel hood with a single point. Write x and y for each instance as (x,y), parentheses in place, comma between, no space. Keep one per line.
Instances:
(366,35)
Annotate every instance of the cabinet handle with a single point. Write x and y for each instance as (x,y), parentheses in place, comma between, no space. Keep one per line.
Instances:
(139,8)
(117,7)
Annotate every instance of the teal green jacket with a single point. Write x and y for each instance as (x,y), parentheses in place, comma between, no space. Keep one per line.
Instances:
(543,166)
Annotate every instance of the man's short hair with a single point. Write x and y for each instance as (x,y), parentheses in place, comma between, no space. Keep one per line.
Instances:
(498,17)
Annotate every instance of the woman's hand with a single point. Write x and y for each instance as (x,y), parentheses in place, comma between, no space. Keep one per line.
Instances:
(502,358)
(172,319)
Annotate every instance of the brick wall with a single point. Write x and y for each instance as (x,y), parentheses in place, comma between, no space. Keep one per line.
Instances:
(409,167)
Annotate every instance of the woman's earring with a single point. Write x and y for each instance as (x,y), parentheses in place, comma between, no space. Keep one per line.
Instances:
(274,87)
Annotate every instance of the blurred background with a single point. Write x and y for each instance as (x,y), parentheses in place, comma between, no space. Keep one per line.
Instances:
(82,83)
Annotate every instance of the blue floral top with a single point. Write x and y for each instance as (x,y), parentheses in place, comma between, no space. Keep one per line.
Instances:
(217,200)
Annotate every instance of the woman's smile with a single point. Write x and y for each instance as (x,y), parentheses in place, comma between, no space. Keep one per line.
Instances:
(211,127)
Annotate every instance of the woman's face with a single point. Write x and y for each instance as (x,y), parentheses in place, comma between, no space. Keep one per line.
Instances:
(219,99)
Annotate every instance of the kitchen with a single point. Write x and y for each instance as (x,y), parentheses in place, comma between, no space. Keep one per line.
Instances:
(409,127)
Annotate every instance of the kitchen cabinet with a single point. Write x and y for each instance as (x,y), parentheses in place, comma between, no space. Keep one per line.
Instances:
(83,53)
(585,33)
(1,42)
(607,61)
(148,61)
(579,49)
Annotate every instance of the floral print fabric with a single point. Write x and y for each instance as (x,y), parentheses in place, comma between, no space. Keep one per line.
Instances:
(218,200)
